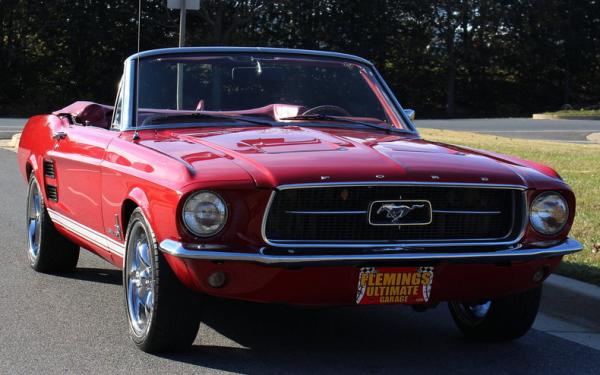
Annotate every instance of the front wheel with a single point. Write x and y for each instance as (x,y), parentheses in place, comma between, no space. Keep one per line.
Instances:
(163,314)
(500,319)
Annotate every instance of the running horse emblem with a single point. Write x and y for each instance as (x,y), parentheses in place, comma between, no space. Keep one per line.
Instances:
(397,212)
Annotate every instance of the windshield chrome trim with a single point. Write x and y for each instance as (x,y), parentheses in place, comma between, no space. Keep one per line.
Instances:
(383,244)
(241,50)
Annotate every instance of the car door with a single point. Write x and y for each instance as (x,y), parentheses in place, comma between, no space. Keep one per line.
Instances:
(78,151)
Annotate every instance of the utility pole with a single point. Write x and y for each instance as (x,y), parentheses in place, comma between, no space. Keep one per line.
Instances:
(182,19)
(183,6)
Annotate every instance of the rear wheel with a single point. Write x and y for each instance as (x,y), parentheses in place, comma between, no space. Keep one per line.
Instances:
(500,319)
(163,314)
(48,251)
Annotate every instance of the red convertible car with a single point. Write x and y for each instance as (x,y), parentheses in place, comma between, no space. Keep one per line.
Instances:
(285,176)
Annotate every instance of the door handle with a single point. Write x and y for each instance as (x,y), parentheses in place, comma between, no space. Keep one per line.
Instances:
(59,135)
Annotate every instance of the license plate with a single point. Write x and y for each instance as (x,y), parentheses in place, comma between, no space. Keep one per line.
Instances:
(394,285)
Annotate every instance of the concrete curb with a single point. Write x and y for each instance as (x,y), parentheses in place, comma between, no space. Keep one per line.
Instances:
(594,137)
(572,300)
(14,141)
(543,116)
(11,144)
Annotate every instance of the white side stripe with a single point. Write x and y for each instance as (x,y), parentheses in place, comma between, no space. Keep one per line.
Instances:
(87,233)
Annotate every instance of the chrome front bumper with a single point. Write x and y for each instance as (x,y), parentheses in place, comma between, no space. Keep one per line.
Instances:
(218,253)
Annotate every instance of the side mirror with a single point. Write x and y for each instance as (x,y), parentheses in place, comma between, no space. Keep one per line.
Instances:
(410,113)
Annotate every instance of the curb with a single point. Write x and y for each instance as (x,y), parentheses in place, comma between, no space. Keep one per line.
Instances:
(11,144)
(543,116)
(572,300)
(594,137)
(14,141)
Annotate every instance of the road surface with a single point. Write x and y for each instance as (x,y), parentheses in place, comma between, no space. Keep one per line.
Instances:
(10,126)
(76,324)
(550,130)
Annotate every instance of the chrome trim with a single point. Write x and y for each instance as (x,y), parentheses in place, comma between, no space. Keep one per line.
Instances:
(185,224)
(467,212)
(180,250)
(382,244)
(225,50)
(326,212)
(540,195)
(87,233)
(400,183)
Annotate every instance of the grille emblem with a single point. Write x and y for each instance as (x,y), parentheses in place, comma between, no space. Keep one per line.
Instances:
(397,212)
(400,212)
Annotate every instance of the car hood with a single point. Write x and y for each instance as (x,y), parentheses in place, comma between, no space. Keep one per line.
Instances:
(292,154)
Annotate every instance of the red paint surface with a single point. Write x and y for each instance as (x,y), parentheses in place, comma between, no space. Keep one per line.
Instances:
(327,285)
(99,170)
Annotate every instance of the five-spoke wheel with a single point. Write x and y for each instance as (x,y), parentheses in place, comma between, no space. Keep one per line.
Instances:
(140,281)
(163,314)
(34,221)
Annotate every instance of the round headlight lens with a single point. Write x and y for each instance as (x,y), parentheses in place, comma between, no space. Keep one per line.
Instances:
(549,213)
(204,213)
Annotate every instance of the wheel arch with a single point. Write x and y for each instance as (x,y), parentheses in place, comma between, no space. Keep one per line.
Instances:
(28,170)
(136,198)
(31,165)
(127,209)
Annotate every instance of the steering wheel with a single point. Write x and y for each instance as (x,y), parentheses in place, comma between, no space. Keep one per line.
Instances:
(318,110)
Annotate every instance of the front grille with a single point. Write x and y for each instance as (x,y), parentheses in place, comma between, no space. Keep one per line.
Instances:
(341,214)
(52,193)
(49,169)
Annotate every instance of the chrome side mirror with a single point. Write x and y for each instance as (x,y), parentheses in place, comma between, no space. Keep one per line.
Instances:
(410,113)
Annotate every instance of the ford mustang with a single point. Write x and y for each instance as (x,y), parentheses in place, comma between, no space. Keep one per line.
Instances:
(285,176)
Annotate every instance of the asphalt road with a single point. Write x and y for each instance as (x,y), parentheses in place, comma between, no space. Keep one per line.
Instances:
(555,130)
(551,130)
(10,126)
(77,324)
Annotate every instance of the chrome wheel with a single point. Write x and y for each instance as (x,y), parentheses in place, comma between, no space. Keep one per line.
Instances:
(472,312)
(140,280)
(34,222)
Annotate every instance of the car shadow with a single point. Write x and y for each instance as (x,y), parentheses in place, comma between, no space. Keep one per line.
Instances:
(258,338)
(97,275)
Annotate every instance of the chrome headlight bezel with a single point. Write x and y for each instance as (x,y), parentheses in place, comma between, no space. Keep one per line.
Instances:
(539,224)
(188,213)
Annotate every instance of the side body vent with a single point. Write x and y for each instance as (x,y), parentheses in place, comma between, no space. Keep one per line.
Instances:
(49,169)
(52,193)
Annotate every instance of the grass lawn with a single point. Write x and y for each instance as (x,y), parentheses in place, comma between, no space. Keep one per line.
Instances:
(575,112)
(578,164)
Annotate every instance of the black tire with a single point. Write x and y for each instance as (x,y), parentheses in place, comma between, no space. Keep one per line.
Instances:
(172,324)
(507,318)
(48,251)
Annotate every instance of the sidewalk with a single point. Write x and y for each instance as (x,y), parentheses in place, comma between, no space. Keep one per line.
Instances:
(570,309)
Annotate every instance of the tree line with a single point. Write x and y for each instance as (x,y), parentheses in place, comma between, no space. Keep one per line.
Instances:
(444,58)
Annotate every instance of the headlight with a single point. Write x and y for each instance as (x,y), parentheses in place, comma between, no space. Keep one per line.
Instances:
(204,213)
(549,213)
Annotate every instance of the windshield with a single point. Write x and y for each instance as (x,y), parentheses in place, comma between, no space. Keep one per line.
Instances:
(274,88)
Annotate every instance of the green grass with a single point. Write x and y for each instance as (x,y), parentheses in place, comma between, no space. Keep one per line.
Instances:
(575,112)
(578,164)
